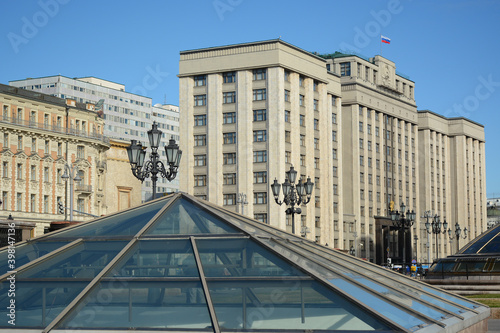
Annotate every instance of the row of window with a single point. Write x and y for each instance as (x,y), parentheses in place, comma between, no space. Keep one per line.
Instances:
(33,173)
(80,150)
(258,136)
(259,177)
(259,198)
(230,77)
(34,203)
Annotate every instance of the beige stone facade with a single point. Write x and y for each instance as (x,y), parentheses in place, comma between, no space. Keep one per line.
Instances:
(123,190)
(349,123)
(41,134)
(452,179)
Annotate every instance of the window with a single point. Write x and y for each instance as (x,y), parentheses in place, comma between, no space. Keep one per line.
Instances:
(259,94)
(259,136)
(200,100)
(47,147)
(259,74)
(287,95)
(200,120)
(229,97)
(45,203)
(200,160)
(229,138)
(19,142)
(5,197)
(259,115)
(302,140)
(315,85)
(287,137)
(229,158)
(262,217)
(260,177)
(33,145)
(33,202)
(200,140)
(229,199)
(33,173)
(369,145)
(229,179)
(334,153)
(334,118)
(316,163)
(361,160)
(19,201)
(46,174)
(360,143)
(316,124)
(335,189)
(260,198)
(316,105)
(229,117)
(369,128)
(302,120)
(302,160)
(377,131)
(5,169)
(345,69)
(301,100)
(80,152)
(361,126)
(335,171)
(200,180)
(316,143)
(260,156)
(360,108)
(200,80)
(287,116)
(288,157)
(334,136)
(301,80)
(229,77)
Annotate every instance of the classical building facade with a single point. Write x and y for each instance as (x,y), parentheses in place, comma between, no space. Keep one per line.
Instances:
(250,111)
(43,137)
(128,116)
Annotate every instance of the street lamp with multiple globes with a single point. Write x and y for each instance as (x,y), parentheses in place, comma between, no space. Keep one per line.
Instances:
(458,232)
(293,195)
(436,227)
(402,222)
(153,167)
(71,174)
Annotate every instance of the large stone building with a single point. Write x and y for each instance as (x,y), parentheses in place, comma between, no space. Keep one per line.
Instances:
(128,116)
(44,137)
(250,111)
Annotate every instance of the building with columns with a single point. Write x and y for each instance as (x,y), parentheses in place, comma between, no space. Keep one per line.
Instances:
(250,111)
(43,136)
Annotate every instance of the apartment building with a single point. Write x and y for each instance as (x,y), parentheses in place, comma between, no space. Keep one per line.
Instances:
(43,137)
(128,116)
(452,179)
(252,110)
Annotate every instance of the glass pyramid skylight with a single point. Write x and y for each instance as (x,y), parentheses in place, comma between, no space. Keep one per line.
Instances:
(185,265)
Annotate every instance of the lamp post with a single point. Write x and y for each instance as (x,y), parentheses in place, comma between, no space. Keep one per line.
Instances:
(293,195)
(427,215)
(153,167)
(436,227)
(71,174)
(242,199)
(402,222)
(458,232)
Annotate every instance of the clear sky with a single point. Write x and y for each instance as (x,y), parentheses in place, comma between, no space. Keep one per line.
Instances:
(449,48)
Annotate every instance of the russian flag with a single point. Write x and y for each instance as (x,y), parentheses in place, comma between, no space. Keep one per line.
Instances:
(385,39)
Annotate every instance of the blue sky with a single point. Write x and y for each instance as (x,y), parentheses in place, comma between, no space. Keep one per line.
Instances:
(448,48)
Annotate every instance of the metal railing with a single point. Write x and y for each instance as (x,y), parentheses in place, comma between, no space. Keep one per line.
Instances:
(55,128)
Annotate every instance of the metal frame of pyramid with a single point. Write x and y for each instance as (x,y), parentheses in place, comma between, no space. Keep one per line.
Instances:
(181,264)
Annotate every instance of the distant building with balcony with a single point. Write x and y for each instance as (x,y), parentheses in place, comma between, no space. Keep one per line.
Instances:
(128,116)
(41,134)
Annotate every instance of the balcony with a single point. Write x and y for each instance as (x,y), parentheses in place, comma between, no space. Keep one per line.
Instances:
(83,189)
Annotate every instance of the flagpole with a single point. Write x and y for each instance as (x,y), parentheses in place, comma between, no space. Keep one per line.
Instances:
(380,45)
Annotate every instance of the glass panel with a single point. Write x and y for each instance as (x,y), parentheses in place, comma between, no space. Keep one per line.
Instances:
(144,304)
(27,252)
(478,244)
(43,291)
(282,305)
(241,257)
(470,266)
(442,267)
(184,218)
(36,303)
(158,258)
(127,223)
(492,247)
(83,261)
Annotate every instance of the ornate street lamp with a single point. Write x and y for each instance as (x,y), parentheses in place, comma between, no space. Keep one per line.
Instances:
(458,232)
(71,174)
(151,168)
(403,223)
(436,227)
(293,195)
